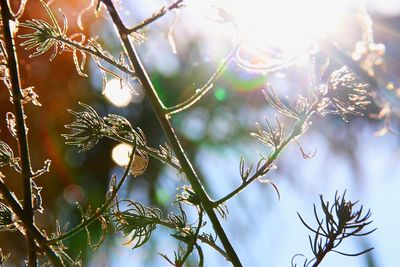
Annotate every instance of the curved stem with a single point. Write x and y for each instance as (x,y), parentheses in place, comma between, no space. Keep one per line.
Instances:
(30,227)
(93,52)
(190,246)
(158,14)
(163,118)
(199,237)
(12,64)
(267,165)
(149,150)
(100,210)
(200,92)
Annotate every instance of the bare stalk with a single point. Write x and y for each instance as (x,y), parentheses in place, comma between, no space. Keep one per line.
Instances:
(265,167)
(296,131)
(23,145)
(158,14)
(100,211)
(200,92)
(29,226)
(163,118)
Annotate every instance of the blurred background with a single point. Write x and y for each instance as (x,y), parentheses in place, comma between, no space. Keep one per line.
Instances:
(358,155)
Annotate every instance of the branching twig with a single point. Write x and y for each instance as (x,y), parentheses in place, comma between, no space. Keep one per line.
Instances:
(267,165)
(158,14)
(191,245)
(100,211)
(169,132)
(200,92)
(12,64)
(338,222)
(29,226)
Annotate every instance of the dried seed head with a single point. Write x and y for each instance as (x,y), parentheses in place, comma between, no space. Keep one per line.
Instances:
(272,137)
(119,125)
(88,126)
(343,94)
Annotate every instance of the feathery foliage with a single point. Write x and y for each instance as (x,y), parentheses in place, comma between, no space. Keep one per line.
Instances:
(340,221)
(347,91)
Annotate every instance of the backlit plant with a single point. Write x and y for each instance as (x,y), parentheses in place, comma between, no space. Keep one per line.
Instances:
(345,91)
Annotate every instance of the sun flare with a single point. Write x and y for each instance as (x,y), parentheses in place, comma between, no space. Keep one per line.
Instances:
(287,24)
(120,154)
(275,33)
(119,95)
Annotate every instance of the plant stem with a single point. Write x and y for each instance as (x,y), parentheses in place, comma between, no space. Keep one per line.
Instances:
(200,92)
(261,171)
(199,237)
(92,51)
(190,245)
(160,112)
(100,211)
(12,65)
(149,150)
(29,227)
(327,247)
(158,14)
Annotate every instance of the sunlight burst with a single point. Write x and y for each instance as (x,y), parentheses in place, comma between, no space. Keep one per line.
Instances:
(275,34)
(120,154)
(119,95)
(288,24)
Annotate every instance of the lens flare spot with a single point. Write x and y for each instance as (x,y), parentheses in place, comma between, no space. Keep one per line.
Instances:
(220,94)
(120,154)
(118,94)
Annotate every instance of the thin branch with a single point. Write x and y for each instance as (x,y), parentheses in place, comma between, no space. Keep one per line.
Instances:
(199,237)
(93,52)
(148,150)
(99,211)
(214,246)
(20,10)
(200,92)
(267,165)
(190,246)
(23,145)
(162,117)
(31,228)
(158,14)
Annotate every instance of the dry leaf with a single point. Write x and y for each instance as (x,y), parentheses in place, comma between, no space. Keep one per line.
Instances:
(139,164)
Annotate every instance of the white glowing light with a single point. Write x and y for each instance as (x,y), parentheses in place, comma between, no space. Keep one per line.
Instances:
(279,29)
(119,96)
(120,154)
(386,7)
(286,23)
